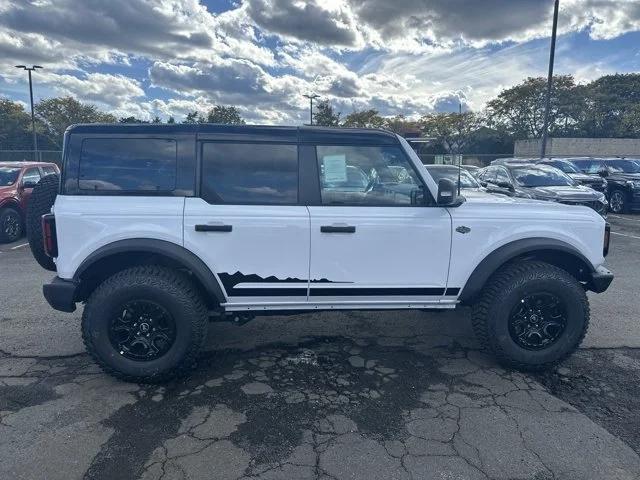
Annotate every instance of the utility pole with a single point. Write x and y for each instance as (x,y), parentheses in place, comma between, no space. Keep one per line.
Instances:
(33,117)
(311,96)
(552,54)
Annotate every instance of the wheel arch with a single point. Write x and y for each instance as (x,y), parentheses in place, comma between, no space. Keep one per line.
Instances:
(121,254)
(554,252)
(14,203)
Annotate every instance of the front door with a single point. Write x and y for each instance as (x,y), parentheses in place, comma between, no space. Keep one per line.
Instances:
(373,243)
(30,177)
(247,224)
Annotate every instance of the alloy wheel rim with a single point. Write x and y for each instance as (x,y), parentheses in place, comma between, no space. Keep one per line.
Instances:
(538,320)
(142,330)
(11,226)
(616,202)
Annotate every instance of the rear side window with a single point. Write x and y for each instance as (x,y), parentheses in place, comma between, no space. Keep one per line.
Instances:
(128,164)
(259,174)
(49,170)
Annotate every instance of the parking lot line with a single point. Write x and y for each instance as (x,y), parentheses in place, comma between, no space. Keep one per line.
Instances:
(625,235)
(19,246)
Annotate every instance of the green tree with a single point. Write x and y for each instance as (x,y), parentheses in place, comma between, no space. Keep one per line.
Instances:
(519,110)
(56,114)
(364,119)
(325,115)
(194,117)
(223,114)
(15,126)
(171,120)
(399,124)
(454,131)
(131,119)
(612,102)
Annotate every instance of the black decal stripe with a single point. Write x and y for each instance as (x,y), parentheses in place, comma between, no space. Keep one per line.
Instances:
(269,292)
(374,291)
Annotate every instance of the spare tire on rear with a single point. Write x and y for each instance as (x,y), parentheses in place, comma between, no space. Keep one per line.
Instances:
(42,198)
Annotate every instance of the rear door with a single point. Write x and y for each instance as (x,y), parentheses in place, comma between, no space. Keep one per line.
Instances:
(372,242)
(31,176)
(247,223)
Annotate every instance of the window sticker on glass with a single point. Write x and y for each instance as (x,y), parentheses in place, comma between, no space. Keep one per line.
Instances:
(335,168)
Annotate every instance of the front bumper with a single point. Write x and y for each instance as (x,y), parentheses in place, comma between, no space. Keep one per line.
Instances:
(600,280)
(61,294)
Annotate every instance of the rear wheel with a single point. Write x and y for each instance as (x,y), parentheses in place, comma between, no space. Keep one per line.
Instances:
(618,201)
(531,315)
(145,324)
(10,225)
(42,199)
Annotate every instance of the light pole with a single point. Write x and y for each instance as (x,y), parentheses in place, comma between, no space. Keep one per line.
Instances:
(552,54)
(33,117)
(311,96)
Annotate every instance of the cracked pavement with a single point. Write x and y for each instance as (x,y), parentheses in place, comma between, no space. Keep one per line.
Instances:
(361,395)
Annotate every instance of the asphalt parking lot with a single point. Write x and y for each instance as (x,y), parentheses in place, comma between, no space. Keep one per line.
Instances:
(329,396)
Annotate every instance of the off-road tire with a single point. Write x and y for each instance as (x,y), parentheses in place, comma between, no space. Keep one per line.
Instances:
(169,288)
(625,201)
(491,313)
(14,215)
(42,199)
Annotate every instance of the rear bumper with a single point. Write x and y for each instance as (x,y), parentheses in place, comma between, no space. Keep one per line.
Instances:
(600,280)
(61,294)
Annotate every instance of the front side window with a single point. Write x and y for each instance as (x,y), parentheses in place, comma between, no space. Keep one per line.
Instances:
(374,176)
(128,164)
(256,174)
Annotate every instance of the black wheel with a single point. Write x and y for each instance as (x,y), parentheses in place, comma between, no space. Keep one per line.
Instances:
(10,225)
(42,199)
(531,315)
(618,201)
(145,324)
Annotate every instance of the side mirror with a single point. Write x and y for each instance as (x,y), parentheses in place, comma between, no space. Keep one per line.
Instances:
(603,172)
(28,184)
(448,194)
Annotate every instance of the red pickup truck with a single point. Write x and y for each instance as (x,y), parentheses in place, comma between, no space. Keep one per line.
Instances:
(17,180)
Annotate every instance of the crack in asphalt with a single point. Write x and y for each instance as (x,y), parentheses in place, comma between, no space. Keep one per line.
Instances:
(324,409)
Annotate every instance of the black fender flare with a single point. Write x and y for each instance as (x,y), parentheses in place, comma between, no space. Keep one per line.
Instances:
(518,248)
(175,252)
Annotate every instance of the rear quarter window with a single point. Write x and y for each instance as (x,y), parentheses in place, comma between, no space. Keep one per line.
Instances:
(128,165)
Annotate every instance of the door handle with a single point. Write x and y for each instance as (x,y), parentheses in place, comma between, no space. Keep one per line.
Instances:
(213,228)
(338,229)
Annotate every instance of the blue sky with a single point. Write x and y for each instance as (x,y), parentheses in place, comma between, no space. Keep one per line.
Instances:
(411,57)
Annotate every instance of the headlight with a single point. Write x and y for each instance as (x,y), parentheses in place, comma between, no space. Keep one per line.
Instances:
(634,184)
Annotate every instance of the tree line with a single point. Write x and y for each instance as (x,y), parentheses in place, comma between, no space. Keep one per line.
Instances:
(606,107)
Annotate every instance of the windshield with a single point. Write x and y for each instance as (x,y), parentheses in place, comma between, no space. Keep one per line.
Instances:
(539,176)
(466,180)
(566,167)
(8,176)
(624,166)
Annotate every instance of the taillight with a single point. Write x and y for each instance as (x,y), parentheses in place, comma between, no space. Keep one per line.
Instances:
(49,235)
(607,236)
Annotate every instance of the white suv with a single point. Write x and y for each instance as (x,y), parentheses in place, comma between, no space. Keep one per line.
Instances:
(156,228)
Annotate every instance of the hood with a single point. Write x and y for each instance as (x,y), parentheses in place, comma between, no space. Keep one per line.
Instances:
(584,178)
(625,176)
(563,193)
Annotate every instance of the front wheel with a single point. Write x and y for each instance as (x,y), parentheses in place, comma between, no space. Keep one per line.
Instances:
(145,324)
(10,225)
(618,201)
(531,315)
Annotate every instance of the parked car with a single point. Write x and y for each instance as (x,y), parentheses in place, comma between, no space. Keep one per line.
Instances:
(567,166)
(17,180)
(467,181)
(540,182)
(472,169)
(623,180)
(155,228)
